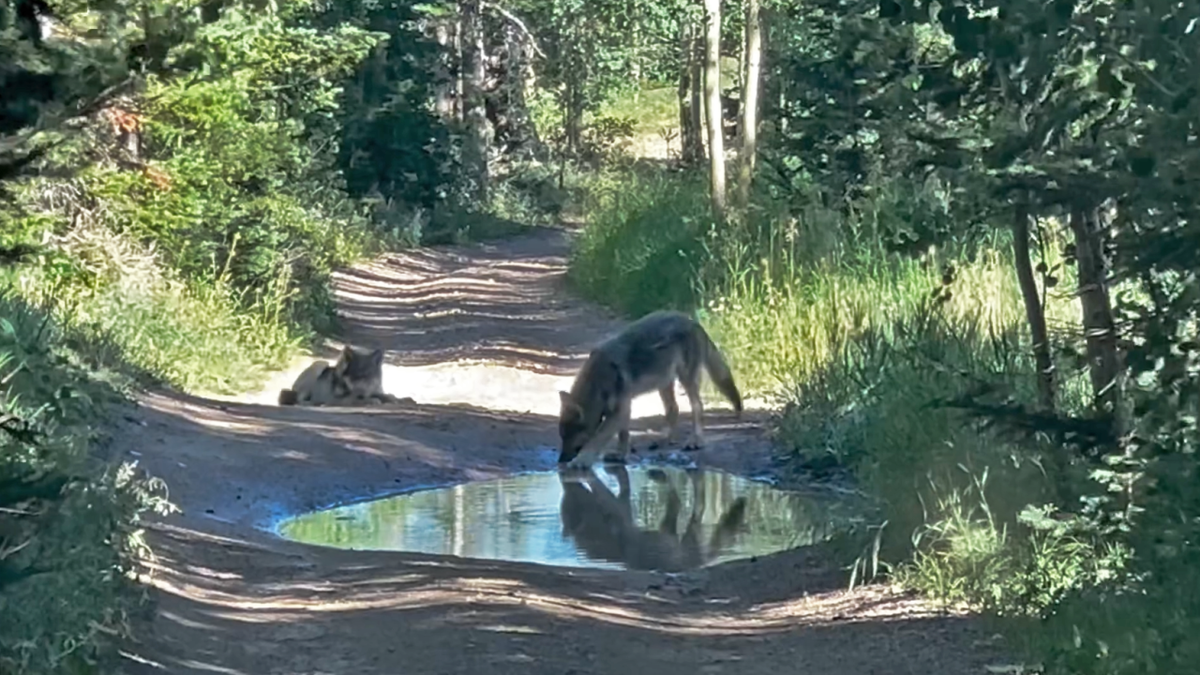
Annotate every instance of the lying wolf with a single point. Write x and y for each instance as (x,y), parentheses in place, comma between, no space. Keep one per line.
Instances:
(648,355)
(603,527)
(318,384)
(357,377)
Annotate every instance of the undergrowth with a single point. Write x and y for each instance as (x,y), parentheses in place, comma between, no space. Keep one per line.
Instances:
(196,335)
(69,514)
(644,242)
(867,352)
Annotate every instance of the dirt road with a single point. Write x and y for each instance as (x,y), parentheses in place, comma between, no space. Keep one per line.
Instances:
(233,598)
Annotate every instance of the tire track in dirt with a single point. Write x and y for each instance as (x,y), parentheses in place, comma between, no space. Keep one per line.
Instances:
(233,598)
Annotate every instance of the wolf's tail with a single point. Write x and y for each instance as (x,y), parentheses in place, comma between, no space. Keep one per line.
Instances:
(718,370)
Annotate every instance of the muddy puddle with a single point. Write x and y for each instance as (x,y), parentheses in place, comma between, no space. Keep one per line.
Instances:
(642,517)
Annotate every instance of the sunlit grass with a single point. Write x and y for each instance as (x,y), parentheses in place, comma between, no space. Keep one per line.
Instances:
(651,109)
(791,331)
(862,348)
(200,338)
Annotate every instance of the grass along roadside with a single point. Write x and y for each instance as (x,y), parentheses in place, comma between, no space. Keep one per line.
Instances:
(864,351)
(69,519)
(198,337)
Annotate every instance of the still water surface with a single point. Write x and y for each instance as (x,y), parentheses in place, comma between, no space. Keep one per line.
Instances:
(641,517)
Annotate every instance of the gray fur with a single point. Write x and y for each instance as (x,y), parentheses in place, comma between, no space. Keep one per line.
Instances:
(648,355)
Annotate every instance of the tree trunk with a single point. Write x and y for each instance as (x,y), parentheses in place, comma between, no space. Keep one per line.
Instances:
(748,133)
(686,132)
(1104,364)
(1034,312)
(712,91)
(459,70)
(478,128)
(573,109)
(689,129)
(518,83)
(696,79)
(444,77)
(635,59)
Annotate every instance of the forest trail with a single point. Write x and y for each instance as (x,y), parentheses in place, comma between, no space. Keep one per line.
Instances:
(480,336)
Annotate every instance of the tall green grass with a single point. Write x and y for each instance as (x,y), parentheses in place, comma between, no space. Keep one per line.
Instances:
(65,552)
(198,337)
(651,109)
(644,244)
(864,349)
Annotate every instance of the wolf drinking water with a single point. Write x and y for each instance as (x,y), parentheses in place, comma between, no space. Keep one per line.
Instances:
(648,355)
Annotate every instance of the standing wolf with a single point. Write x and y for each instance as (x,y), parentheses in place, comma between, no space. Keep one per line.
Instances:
(648,355)
(357,376)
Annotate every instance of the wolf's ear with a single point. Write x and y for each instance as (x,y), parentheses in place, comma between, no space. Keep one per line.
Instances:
(344,360)
(377,358)
(569,406)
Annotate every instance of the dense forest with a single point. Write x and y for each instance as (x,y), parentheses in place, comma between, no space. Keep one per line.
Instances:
(950,239)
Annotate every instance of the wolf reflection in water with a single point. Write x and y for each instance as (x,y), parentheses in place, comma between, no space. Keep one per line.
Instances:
(612,520)
(602,524)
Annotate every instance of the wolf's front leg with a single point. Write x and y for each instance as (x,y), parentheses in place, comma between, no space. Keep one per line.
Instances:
(693,394)
(671,412)
(623,415)
(608,428)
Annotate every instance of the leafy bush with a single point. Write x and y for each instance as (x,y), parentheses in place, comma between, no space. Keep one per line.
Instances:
(68,517)
(241,184)
(202,335)
(390,142)
(643,247)
(210,263)
(866,348)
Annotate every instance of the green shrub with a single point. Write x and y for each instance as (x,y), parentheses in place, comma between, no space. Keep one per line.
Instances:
(68,518)
(865,348)
(643,246)
(239,200)
(202,336)
(211,263)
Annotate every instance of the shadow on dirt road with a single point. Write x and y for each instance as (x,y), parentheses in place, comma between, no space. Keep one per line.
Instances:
(233,598)
(504,303)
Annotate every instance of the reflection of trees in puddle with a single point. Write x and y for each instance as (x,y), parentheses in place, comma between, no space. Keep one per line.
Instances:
(640,518)
(368,525)
(603,525)
(514,518)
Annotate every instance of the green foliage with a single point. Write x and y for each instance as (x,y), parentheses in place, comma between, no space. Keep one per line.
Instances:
(651,110)
(68,517)
(592,48)
(42,79)
(390,142)
(964,554)
(869,285)
(198,337)
(208,266)
(243,162)
(605,138)
(869,350)
(1123,627)
(643,245)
